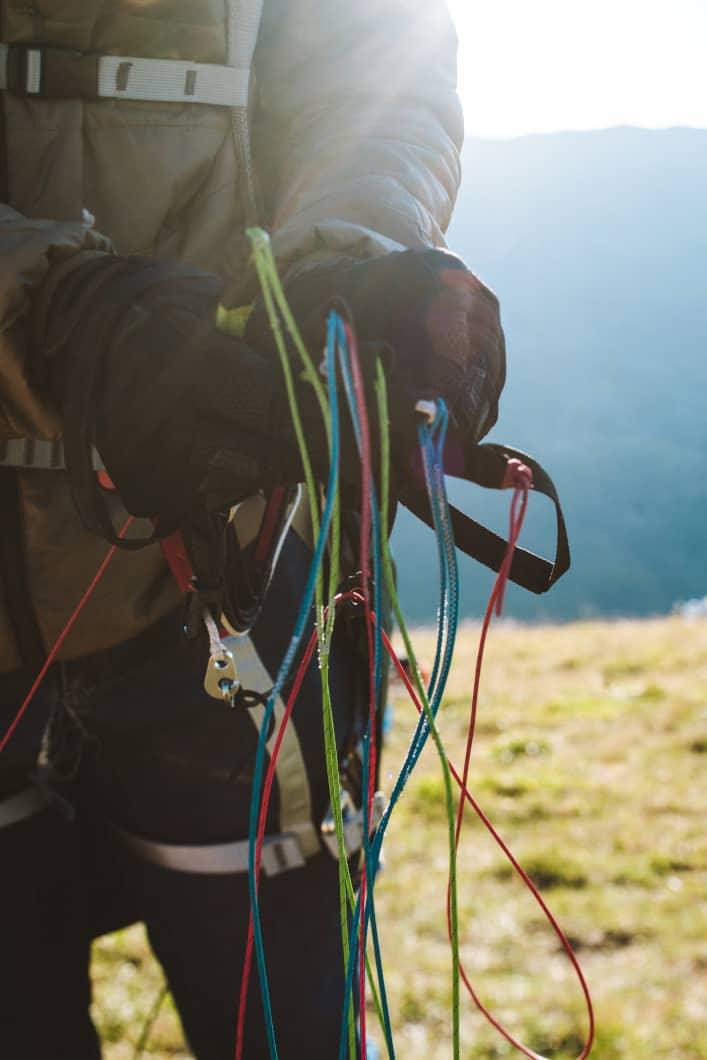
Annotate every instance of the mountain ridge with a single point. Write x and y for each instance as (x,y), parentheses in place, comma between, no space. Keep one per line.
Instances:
(597,245)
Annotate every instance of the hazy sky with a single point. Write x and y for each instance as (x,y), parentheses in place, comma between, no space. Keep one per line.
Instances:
(540,65)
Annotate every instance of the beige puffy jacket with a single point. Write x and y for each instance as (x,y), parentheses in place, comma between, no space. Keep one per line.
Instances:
(355,134)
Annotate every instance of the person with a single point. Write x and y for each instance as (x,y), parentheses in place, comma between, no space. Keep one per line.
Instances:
(139,141)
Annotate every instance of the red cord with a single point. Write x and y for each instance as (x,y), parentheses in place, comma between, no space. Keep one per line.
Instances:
(518,508)
(267,792)
(520,478)
(63,635)
(365,566)
(177,558)
(264,807)
(567,946)
(522,483)
(364,597)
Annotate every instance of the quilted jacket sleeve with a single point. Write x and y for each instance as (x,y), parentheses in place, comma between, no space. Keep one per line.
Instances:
(358,126)
(27,248)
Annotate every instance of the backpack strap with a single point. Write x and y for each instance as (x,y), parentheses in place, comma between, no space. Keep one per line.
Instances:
(487,465)
(48,72)
(14,579)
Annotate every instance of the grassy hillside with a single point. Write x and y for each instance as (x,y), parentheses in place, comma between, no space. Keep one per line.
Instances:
(591,761)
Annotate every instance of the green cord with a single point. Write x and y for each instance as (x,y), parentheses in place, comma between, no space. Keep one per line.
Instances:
(149,1022)
(276,303)
(382,401)
(264,266)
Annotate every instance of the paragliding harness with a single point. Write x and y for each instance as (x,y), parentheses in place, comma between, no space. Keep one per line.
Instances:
(224,573)
(216,572)
(226,580)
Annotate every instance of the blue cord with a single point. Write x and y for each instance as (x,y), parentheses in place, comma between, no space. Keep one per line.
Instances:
(426,435)
(432,445)
(449,592)
(370,867)
(283,672)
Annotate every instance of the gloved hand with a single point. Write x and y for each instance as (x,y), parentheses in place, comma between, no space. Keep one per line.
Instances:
(441,322)
(178,411)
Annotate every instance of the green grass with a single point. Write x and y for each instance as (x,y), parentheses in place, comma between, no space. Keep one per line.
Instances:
(590,760)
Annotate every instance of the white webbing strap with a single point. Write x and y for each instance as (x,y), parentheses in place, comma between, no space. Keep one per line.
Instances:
(243,19)
(19,807)
(298,838)
(280,854)
(172,81)
(130,77)
(291,772)
(37,455)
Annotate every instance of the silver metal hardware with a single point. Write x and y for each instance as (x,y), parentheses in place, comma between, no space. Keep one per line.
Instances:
(280,854)
(352,820)
(221,680)
(428,409)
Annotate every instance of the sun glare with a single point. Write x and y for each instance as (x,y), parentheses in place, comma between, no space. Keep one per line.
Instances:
(541,65)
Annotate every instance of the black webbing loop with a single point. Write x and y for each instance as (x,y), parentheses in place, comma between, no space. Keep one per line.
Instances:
(487,465)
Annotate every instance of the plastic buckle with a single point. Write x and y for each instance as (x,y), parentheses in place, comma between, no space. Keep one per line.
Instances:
(24,69)
(280,854)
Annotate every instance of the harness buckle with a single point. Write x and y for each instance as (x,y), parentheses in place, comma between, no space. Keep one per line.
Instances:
(352,820)
(43,71)
(351,796)
(280,854)
(24,69)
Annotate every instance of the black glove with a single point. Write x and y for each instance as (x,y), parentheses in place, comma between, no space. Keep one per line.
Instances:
(180,413)
(441,322)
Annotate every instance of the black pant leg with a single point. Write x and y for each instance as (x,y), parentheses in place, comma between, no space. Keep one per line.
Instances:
(45,990)
(173,765)
(197,927)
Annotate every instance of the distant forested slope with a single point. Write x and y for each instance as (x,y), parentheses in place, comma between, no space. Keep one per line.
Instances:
(597,245)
